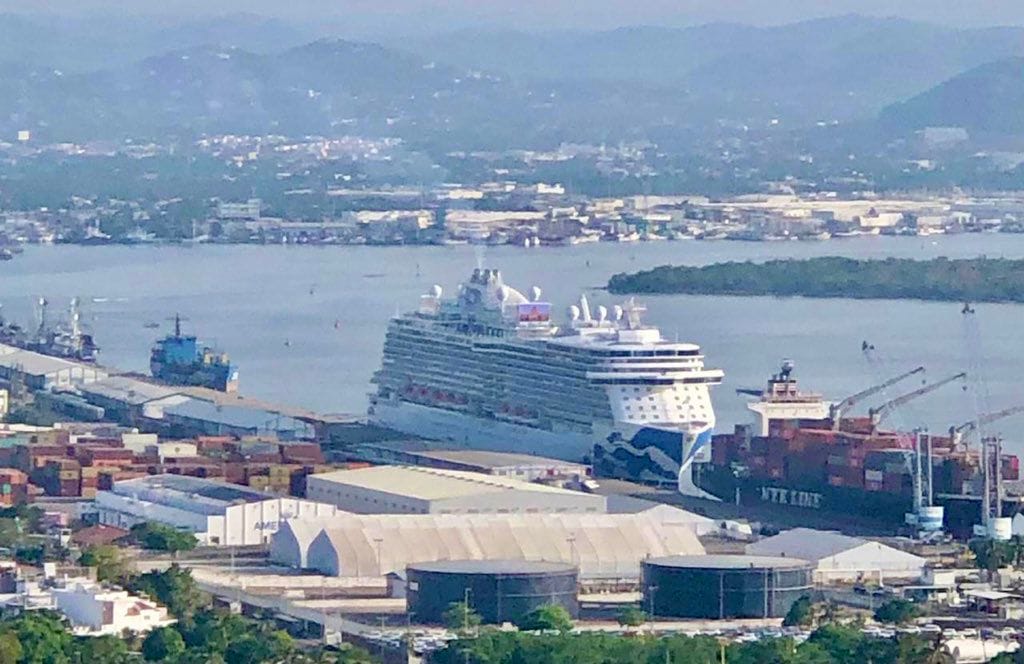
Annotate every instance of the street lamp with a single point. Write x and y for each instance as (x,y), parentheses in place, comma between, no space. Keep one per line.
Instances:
(465,610)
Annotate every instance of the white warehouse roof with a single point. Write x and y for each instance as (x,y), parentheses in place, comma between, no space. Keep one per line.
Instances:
(839,556)
(603,545)
(418,490)
(432,483)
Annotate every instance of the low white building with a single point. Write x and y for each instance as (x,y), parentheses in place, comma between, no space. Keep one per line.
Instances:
(841,557)
(367,546)
(418,490)
(43,372)
(217,513)
(95,610)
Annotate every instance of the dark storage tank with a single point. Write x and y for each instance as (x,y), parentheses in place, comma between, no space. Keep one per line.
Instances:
(724,586)
(498,590)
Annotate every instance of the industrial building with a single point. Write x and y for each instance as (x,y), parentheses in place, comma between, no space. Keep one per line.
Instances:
(724,586)
(122,397)
(496,590)
(43,372)
(603,546)
(506,464)
(414,490)
(838,557)
(701,525)
(217,512)
(190,417)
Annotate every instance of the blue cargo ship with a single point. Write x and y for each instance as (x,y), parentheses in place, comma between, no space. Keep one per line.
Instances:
(179,359)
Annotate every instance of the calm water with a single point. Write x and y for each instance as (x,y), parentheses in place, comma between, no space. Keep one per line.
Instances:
(274,309)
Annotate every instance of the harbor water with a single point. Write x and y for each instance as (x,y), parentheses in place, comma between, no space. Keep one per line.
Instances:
(306,324)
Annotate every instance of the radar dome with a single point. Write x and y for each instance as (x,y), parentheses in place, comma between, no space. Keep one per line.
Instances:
(574,312)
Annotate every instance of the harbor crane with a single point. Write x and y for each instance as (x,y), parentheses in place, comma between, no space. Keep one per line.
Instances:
(958,433)
(880,413)
(836,410)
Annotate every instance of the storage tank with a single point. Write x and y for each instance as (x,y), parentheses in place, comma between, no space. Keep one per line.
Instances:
(1000,529)
(929,519)
(498,590)
(724,586)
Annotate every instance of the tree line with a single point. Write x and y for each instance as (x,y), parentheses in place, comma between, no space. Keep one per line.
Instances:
(943,279)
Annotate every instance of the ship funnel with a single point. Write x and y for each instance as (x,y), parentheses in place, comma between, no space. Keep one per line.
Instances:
(502,293)
(574,313)
(436,290)
(585,308)
(617,312)
(535,294)
(602,314)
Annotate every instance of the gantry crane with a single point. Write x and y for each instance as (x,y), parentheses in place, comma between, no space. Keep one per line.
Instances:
(836,410)
(958,433)
(880,413)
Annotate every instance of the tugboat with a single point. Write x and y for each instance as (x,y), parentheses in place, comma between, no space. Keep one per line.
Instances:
(178,359)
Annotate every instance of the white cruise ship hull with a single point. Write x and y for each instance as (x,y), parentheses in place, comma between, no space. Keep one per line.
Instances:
(479,433)
(630,451)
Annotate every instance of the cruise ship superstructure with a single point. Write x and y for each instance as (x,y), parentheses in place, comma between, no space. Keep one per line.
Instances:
(490,369)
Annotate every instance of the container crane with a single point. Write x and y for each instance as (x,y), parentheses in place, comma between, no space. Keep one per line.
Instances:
(957,433)
(880,413)
(836,410)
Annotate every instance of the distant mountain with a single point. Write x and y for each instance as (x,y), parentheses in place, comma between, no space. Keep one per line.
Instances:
(309,89)
(81,79)
(838,68)
(78,45)
(988,99)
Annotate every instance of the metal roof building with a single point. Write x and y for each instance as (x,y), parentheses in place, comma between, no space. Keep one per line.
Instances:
(43,372)
(416,490)
(521,466)
(126,391)
(602,545)
(840,557)
(217,512)
(195,416)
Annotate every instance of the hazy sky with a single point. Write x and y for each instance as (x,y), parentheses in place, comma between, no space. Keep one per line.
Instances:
(432,14)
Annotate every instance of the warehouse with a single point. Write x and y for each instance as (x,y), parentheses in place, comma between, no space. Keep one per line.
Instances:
(123,397)
(838,557)
(414,490)
(724,587)
(186,416)
(506,464)
(602,545)
(217,512)
(497,590)
(42,372)
(702,525)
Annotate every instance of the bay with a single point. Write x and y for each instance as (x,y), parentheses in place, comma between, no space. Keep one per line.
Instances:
(306,324)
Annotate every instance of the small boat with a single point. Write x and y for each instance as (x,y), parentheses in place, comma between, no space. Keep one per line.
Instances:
(151,325)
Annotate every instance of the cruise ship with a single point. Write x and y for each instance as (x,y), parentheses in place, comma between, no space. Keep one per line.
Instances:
(491,369)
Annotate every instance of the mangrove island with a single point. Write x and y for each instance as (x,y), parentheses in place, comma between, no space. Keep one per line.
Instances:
(943,279)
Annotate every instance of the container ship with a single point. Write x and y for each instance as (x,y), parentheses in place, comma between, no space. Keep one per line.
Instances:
(489,368)
(65,339)
(179,359)
(804,454)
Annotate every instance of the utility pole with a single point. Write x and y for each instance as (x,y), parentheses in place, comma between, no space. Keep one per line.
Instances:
(650,606)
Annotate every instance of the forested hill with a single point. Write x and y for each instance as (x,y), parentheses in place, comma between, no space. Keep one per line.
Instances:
(966,280)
